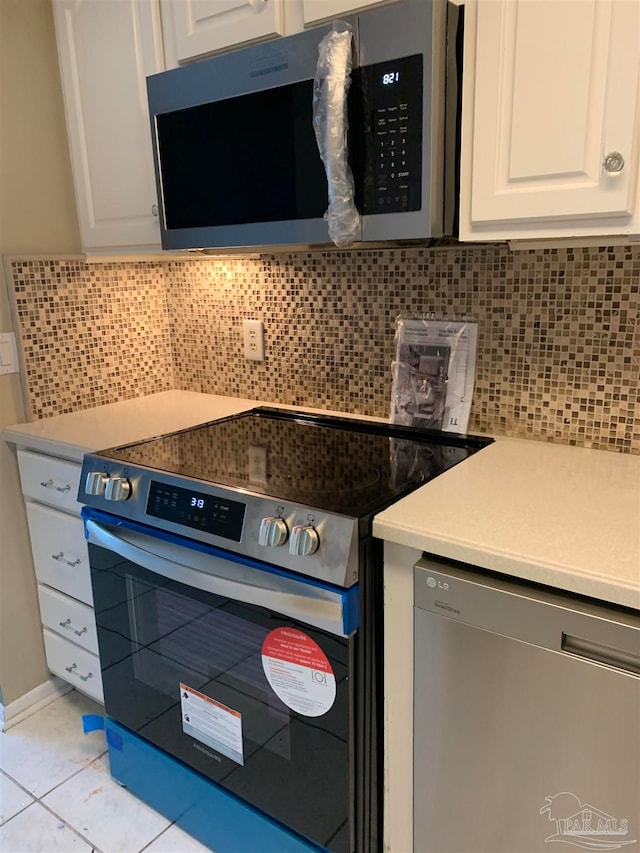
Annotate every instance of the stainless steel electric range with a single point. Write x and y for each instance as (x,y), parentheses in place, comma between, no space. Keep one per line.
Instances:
(238,598)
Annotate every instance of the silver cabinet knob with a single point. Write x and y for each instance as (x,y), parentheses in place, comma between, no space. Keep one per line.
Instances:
(95,483)
(304,540)
(614,162)
(117,489)
(155,210)
(273,532)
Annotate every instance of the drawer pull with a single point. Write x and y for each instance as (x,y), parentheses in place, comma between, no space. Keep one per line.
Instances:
(67,624)
(72,563)
(49,484)
(72,670)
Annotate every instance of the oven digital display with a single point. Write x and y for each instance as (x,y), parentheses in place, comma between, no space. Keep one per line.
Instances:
(193,509)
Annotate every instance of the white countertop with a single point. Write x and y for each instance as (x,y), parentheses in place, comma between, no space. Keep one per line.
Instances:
(558,515)
(78,433)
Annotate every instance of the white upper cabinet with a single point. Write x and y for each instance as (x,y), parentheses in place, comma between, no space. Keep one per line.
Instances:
(194,28)
(314,11)
(551,142)
(106,49)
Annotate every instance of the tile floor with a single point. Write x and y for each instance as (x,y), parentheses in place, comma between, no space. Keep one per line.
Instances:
(56,794)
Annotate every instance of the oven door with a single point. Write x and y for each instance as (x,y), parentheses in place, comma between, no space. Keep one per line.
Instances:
(244,672)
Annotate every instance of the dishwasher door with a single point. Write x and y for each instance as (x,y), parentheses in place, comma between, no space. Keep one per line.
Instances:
(526,717)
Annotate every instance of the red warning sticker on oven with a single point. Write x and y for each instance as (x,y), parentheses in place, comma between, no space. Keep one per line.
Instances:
(298,671)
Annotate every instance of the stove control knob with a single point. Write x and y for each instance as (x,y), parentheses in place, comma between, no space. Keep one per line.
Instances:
(95,483)
(117,489)
(304,540)
(273,532)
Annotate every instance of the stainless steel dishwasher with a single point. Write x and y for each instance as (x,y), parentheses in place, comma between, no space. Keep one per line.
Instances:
(526,717)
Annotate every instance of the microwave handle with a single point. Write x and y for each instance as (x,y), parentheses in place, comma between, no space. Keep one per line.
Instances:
(324,612)
(331,85)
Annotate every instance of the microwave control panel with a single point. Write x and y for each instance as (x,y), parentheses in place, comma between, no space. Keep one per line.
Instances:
(394,92)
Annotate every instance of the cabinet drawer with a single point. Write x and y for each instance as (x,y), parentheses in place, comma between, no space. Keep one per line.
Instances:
(48,480)
(59,551)
(75,665)
(69,618)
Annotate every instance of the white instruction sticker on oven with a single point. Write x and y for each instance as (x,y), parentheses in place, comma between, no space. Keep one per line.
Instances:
(212,723)
(298,671)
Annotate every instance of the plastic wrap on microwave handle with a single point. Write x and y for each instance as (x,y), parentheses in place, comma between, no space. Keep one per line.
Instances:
(330,122)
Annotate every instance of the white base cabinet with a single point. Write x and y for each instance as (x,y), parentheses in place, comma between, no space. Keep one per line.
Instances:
(71,619)
(551,136)
(75,665)
(60,555)
(61,562)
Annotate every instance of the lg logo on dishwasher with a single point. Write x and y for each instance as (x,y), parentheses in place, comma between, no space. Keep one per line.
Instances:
(433,583)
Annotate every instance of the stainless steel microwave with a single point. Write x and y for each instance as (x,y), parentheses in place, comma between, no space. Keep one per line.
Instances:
(236,158)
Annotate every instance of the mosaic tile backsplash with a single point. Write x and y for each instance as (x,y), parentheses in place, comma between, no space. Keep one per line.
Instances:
(558,351)
(91,333)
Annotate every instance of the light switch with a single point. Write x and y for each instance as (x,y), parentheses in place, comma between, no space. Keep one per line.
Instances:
(8,353)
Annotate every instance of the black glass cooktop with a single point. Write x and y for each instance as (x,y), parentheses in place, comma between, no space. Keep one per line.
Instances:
(342,466)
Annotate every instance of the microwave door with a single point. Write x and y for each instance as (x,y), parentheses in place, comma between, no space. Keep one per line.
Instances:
(242,171)
(243,168)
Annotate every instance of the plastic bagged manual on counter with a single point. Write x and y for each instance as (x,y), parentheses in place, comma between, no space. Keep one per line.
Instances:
(434,373)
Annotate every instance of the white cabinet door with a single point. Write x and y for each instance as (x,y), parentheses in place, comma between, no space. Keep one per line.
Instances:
(60,555)
(50,480)
(74,664)
(69,618)
(322,10)
(552,92)
(106,49)
(193,28)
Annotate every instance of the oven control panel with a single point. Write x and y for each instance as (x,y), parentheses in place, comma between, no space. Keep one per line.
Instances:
(297,538)
(195,509)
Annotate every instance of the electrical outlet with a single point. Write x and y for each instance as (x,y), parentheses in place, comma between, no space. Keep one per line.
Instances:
(253,339)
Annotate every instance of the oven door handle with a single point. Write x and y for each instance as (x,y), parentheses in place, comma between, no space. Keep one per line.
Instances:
(331,610)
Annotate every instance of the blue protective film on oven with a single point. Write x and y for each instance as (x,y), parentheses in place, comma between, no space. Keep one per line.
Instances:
(351,610)
(215,817)
(114,740)
(350,598)
(92,723)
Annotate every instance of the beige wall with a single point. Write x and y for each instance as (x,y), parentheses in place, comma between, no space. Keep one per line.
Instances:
(37,214)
